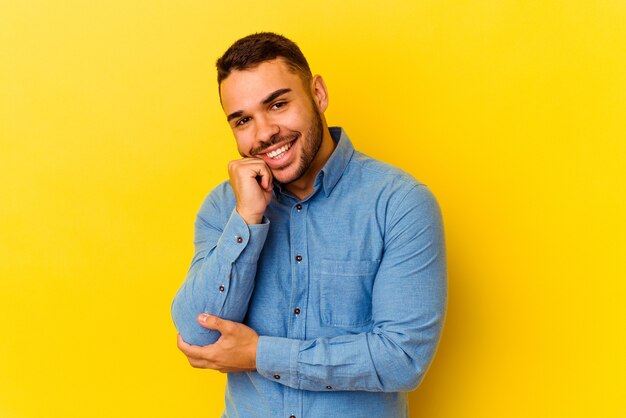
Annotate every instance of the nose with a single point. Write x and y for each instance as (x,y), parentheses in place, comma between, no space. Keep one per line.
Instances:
(266,128)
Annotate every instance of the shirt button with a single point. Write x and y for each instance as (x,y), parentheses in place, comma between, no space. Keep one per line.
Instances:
(299,207)
(329,387)
(277,376)
(296,311)
(222,288)
(239,240)
(298,258)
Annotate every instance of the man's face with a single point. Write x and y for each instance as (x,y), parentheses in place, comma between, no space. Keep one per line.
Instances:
(274,117)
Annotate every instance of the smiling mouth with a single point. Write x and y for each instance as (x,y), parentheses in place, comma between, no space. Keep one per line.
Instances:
(277,153)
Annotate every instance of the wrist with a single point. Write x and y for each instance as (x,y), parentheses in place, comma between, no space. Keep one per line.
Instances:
(255,344)
(250,218)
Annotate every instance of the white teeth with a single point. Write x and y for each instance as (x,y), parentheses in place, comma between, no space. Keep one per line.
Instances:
(279,152)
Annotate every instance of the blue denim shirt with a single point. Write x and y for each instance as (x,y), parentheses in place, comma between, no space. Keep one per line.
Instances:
(346,289)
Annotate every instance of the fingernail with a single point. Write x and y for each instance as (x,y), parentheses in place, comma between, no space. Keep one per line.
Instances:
(203,318)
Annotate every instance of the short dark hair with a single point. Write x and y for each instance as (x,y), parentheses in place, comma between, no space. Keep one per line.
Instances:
(252,50)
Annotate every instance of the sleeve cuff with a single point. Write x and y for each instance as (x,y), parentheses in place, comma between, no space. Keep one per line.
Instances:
(240,241)
(277,359)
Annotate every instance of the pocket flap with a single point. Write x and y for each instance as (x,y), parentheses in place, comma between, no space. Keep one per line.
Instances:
(349,267)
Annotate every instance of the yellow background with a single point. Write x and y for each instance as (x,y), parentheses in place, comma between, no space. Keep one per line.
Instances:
(111,134)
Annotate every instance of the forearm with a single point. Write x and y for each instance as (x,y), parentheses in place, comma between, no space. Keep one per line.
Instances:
(220,280)
(375,361)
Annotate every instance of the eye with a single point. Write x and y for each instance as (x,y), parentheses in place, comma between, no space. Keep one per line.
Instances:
(242,121)
(278,105)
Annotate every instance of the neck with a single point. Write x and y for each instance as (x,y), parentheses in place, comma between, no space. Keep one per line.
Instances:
(303,187)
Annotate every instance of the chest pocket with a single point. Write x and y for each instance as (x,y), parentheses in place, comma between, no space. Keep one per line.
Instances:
(346,292)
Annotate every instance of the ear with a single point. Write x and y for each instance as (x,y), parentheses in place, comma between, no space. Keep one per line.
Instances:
(319,93)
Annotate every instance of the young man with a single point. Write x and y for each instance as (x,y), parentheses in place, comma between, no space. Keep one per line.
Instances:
(319,276)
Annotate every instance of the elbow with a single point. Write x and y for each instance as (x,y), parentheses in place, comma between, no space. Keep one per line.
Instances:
(401,370)
(187,325)
(405,381)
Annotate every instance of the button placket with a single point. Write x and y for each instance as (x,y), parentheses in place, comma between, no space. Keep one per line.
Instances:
(298,251)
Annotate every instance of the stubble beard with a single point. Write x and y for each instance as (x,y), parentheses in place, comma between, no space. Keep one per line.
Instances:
(310,148)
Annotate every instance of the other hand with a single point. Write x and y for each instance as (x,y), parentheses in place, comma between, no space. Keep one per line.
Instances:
(234,351)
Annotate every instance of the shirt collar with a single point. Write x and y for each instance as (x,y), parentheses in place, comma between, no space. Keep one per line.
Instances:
(338,161)
(332,171)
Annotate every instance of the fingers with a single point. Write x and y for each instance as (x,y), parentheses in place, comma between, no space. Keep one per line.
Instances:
(259,171)
(189,350)
(249,167)
(224,326)
(198,357)
(252,168)
(202,358)
(265,176)
(251,180)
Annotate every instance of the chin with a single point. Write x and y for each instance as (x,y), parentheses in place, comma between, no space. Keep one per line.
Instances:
(286,176)
(284,179)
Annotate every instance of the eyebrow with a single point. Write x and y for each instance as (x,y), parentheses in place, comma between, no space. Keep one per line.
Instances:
(274,95)
(268,99)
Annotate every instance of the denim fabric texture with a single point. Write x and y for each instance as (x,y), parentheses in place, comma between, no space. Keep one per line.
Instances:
(346,289)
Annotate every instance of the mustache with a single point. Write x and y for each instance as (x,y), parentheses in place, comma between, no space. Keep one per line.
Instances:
(275,139)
